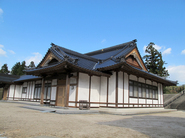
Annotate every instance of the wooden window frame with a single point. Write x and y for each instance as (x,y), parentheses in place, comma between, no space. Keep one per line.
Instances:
(152,90)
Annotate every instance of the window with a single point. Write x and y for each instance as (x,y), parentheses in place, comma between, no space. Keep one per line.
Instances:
(24,90)
(141,90)
(47,91)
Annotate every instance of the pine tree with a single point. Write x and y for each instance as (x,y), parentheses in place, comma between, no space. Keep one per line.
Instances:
(4,69)
(18,68)
(154,61)
(32,64)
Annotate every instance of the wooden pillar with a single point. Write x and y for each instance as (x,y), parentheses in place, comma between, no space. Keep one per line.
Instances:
(89,90)
(76,99)
(138,92)
(67,90)
(116,89)
(107,90)
(145,95)
(128,90)
(123,88)
(152,93)
(42,91)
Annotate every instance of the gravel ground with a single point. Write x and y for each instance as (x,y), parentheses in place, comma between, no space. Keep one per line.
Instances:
(18,122)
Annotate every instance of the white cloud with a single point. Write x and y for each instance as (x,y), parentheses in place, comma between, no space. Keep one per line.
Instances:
(2,52)
(1,11)
(1,46)
(177,73)
(155,46)
(11,51)
(167,51)
(36,58)
(103,41)
(183,51)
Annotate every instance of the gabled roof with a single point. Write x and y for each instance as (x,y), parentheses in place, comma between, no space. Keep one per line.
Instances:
(95,63)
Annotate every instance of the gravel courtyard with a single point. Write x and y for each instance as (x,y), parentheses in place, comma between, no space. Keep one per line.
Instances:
(19,122)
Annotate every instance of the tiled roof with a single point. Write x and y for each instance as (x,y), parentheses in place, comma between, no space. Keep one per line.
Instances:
(94,62)
(6,78)
(26,78)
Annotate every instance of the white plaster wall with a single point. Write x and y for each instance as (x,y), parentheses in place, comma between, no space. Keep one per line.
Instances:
(11,91)
(120,87)
(155,101)
(126,81)
(142,101)
(72,93)
(112,88)
(133,100)
(83,87)
(162,94)
(149,101)
(103,89)
(32,89)
(29,86)
(142,80)
(159,93)
(133,77)
(53,93)
(148,82)
(18,91)
(95,90)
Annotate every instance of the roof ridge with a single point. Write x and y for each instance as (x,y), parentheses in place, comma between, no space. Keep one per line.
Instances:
(77,54)
(110,48)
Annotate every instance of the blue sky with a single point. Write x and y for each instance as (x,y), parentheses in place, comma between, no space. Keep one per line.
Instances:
(27,28)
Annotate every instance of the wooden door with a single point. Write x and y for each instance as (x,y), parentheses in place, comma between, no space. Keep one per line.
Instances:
(61,96)
(5,94)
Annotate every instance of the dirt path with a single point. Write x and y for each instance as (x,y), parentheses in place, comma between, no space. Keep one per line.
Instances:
(18,122)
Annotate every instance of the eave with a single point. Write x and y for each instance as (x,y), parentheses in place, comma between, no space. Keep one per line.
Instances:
(63,67)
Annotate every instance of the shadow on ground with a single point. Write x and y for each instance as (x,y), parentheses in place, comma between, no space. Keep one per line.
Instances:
(154,126)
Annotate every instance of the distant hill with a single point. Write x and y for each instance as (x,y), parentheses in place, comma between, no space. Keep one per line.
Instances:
(173,89)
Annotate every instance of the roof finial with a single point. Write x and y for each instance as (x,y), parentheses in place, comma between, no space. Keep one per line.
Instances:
(135,40)
(52,44)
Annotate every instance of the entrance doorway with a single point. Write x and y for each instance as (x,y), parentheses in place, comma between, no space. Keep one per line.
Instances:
(61,90)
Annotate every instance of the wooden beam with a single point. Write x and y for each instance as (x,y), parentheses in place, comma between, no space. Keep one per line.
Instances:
(89,90)
(67,90)
(42,91)
(76,99)
(116,88)
(107,90)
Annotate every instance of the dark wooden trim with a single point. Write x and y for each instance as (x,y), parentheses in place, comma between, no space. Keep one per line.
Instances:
(76,99)
(14,91)
(73,84)
(56,94)
(138,91)
(42,91)
(145,93)
(123,87)
(67,90)
(89,90)
(116,100)
(107,90)
(27,91)
(128,89)
(162,95)
(152,83)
